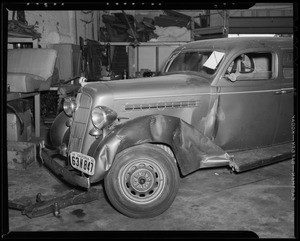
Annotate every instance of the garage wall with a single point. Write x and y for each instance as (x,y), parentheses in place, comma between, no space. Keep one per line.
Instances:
(62,26)
(68,26)
(86,24)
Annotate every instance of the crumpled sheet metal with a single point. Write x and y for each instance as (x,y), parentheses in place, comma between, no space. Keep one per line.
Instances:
(190,146)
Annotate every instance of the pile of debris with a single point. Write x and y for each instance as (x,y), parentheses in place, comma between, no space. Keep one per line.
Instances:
(122,27)
(18,27)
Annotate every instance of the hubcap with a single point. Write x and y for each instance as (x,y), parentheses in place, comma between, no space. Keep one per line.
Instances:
(142,181)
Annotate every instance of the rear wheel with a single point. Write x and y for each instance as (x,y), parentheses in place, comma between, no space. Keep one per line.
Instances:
(143,181)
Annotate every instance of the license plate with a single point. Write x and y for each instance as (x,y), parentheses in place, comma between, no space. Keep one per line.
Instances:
(83,162)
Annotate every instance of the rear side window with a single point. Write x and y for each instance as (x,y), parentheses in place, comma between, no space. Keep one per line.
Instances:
(288,73)
(287,64)
(287,58)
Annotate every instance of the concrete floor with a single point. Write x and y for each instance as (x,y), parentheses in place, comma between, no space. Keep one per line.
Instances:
(260,200)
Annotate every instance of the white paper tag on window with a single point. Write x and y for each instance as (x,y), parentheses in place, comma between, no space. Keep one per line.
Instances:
(213,60)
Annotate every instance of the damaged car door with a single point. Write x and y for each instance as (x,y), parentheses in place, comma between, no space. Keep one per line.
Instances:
(248,101)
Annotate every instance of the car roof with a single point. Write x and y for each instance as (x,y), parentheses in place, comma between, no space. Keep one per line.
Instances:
(237,43)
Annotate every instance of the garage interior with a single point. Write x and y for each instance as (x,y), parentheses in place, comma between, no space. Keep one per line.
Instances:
(104,45)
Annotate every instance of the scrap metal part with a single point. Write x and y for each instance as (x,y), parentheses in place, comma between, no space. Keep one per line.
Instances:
(41,208)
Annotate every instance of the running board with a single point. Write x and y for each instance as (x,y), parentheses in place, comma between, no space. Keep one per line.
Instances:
(247,160)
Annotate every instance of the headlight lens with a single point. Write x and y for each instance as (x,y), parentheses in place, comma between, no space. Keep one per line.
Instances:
(69,105)
(103,116)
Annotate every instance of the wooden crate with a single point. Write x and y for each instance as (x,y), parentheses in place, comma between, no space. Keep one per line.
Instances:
(20,154)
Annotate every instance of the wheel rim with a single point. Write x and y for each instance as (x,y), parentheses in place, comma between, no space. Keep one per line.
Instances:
(142,181)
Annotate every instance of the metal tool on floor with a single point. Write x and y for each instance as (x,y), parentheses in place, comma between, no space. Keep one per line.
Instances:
(41,208)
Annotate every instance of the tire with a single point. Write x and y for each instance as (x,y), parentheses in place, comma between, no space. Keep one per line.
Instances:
(143,181)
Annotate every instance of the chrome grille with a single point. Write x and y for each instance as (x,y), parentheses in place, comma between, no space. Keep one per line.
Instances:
(79,125)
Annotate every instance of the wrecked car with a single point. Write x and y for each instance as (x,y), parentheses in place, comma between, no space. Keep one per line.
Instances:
(217,103)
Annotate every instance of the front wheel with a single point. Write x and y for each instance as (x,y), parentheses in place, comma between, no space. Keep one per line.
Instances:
(143,181)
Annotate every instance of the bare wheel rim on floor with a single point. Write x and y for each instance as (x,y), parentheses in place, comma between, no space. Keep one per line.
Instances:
(142,181)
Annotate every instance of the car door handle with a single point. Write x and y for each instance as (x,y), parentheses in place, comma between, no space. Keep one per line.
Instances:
(286,91)
(279,92)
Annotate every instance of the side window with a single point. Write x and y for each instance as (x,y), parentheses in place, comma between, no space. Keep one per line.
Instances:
(288,73)
(252,66)
(287,64)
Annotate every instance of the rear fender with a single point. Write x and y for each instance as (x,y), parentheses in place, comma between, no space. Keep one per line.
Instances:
(191,148)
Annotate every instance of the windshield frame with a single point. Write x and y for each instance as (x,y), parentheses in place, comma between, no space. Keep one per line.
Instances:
(176,53)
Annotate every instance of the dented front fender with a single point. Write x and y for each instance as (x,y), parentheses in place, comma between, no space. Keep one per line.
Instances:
(192,149)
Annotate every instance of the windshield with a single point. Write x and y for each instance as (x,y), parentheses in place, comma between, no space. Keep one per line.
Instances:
(203,62)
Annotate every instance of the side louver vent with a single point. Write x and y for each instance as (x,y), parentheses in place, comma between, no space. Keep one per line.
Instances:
(162,105)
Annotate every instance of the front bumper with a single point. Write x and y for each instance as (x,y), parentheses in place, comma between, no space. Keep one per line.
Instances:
(65,173)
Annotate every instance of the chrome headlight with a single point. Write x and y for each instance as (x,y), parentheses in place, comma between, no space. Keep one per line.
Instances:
(103,116)
(69,105)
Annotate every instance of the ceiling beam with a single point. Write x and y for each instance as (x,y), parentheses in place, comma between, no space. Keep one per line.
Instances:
(261,25)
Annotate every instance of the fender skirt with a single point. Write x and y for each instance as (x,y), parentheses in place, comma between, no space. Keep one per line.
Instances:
(192,149)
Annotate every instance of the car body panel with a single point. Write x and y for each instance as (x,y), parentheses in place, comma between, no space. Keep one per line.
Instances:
(286,111)
(59,131)
(192,149)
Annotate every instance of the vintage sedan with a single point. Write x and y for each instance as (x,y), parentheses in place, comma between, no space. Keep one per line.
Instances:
(219,102)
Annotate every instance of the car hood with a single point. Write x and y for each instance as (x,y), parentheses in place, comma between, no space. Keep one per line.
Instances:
(152,87)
